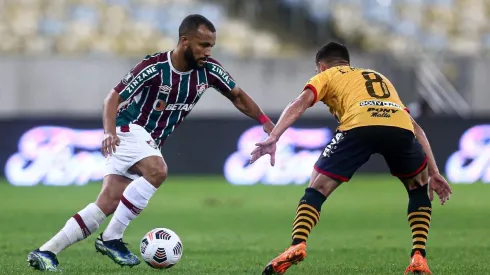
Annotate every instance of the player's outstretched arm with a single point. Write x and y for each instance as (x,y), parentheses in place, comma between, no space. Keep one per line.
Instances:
(437,182)
(245,104)
(109,113)
(422,138)
(293,111)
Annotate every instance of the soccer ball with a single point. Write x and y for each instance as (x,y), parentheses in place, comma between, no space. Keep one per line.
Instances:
(161,248)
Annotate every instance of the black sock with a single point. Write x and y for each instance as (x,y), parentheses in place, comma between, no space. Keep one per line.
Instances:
(419,215)
(307,215)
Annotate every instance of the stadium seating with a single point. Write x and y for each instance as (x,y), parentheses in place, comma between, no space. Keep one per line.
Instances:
(121,27)
(458,26)
(135,27)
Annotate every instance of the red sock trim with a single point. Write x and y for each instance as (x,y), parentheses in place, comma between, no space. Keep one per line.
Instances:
(82,225)
(135,210)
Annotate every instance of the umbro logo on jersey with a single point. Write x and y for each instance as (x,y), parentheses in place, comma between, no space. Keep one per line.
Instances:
(127,78)
(201,88)
(165,89)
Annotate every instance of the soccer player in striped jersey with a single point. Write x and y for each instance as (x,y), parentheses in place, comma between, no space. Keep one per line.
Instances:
(159,92)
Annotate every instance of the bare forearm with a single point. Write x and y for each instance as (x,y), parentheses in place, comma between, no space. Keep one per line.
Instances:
(109,112)
(247,106)
(292,112)
(422,138)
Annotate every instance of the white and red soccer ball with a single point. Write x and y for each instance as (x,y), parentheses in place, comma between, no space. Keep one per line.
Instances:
(161,248)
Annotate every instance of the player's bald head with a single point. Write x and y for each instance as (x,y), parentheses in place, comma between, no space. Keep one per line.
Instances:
(190,25)
(333,52)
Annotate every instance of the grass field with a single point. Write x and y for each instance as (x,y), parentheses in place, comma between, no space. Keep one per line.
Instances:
(237,229)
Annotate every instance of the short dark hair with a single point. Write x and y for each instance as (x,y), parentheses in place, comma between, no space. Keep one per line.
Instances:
(333,51)
(192,22)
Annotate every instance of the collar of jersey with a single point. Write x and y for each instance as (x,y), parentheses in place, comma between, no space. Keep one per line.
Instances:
(172,66)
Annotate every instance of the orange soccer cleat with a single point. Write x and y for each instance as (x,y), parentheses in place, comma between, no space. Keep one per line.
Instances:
(293,255)
(418,265)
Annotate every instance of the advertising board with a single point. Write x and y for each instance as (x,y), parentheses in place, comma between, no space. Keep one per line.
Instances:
(64,152)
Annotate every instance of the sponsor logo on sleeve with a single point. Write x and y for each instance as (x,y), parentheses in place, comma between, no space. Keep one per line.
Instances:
(222,73)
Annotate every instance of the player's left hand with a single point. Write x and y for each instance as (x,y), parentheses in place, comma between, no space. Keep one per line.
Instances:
(439,184)
(268,127)
(266,147)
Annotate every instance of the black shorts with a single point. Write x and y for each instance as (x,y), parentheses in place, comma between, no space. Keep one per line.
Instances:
(349,150)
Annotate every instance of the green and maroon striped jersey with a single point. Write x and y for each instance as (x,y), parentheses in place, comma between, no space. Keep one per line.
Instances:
(159,97)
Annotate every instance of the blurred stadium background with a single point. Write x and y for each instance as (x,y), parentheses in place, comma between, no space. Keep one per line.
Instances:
(59,59)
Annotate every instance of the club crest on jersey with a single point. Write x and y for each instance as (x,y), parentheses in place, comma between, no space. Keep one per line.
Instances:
(165,89)
(201,88)
(127,78)
(152,143)
(159,105)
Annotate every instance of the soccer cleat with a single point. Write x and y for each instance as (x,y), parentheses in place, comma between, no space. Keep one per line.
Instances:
(293,255)
(117,251)
(418,265)
(43,260)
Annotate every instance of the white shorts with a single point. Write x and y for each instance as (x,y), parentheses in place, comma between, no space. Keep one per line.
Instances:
(136,144)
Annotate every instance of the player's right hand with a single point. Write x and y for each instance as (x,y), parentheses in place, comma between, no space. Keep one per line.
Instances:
(438,184)
(266,147)
(111,140)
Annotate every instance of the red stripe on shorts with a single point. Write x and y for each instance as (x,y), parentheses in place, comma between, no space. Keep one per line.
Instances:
(411,175)
(331,175)
(125,128)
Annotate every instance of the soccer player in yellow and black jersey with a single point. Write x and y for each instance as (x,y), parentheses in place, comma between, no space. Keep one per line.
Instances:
(373,120)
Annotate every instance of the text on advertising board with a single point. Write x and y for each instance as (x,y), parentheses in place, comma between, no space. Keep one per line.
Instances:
(297,151)
(56,156)
(472,161)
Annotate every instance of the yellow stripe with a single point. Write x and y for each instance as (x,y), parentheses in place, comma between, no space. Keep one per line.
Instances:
(301,230)
(302,215)
(419,246)
(420,233)
(419,220)
(420,240)
(419,213)
(300,237)
(419,226)
(311,208)
(303,223)
(305,219)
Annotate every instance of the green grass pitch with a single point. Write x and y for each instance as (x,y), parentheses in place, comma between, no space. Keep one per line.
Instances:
(229,229)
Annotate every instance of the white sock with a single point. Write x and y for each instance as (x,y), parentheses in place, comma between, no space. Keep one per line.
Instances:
(77,228)
(134,199)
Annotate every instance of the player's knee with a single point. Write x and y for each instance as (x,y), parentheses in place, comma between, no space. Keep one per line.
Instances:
(417,181)
(323,184)
(157,175)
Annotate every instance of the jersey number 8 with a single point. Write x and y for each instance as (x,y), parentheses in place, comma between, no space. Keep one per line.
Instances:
(370,87)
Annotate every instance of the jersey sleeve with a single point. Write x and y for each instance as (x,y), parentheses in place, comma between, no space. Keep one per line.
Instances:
(139,76)
(318,84)
(218,77)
